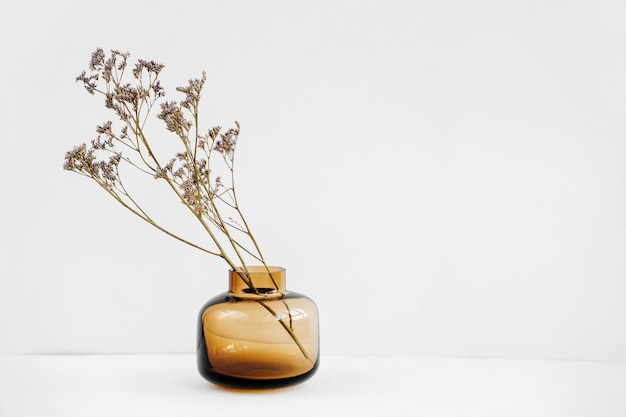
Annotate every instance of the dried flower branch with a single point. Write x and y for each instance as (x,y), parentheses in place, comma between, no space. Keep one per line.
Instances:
(209,197)
(188,174)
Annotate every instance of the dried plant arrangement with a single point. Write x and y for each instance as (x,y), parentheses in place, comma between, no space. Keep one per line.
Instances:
(189,174)
(257,334)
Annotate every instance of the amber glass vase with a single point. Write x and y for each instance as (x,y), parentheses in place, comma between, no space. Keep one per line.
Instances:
(258,334)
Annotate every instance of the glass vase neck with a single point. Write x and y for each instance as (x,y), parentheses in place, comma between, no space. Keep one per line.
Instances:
(257,282)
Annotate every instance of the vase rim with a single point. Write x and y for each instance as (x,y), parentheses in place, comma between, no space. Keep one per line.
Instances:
(266,282)
(258,269)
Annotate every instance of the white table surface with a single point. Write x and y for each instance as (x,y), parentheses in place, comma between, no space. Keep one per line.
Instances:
(168,385)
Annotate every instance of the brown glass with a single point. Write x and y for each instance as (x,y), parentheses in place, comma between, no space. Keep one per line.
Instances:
(257,334)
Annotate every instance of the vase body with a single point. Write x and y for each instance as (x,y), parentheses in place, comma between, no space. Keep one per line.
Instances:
(257,334)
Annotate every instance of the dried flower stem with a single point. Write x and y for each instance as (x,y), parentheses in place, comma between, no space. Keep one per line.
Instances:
(188,173)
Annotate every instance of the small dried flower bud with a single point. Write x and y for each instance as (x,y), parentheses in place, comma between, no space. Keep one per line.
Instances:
(124,133)
(149,66)
(97,59)
(124,55)
(172,115)
(80,159)
(226,143)
(192,91)
(214,132)
(88,81)
(105,128)
(158,90)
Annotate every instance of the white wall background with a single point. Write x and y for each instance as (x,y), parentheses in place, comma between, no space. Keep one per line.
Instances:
(442,177)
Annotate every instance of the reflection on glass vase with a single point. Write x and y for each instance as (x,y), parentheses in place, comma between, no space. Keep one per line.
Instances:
(257,334)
